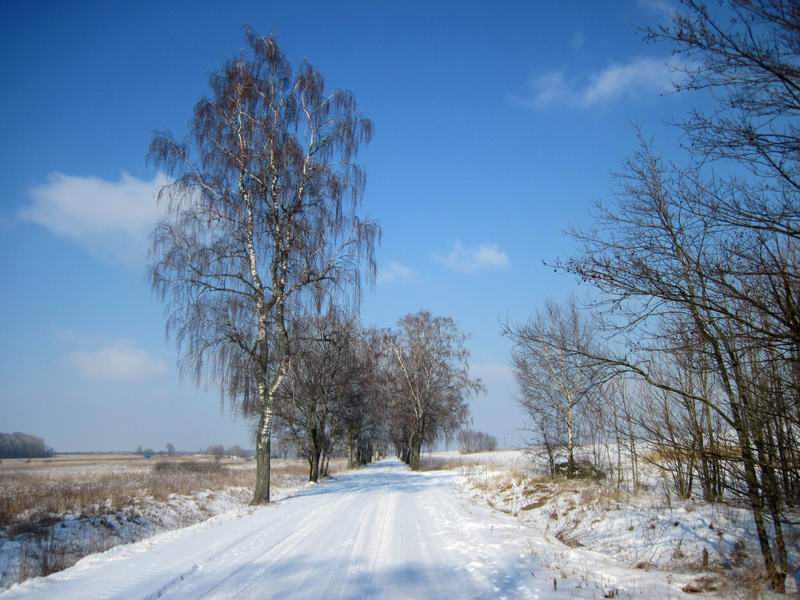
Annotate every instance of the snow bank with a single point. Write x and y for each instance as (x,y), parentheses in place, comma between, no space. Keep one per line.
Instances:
(640,541)
(56,541)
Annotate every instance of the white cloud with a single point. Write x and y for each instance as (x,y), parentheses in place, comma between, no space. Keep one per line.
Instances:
(635,78)
(112,219)
(118,361)
(395,272)
(468,259)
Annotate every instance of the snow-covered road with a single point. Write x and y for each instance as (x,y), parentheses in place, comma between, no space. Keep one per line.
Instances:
(379,532)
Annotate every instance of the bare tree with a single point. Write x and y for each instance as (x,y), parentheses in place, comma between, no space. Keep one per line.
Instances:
(748,53)
(554,381)
(334,397)
(697,277)
(217,451)
(361,418)
(432,382)
(235,451)
(262,218)
(319,379)
(657,260)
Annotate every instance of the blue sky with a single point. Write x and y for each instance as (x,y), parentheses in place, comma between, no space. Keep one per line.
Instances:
(496,125)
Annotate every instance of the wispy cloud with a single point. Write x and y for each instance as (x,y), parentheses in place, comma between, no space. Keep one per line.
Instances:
(636,78)
(661,7)
(471,259)
(111,218)
(119,361)
(395,272)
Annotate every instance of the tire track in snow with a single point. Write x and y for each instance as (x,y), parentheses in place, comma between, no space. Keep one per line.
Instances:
(222,571)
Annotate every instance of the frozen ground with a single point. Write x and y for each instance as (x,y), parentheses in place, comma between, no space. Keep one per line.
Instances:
(509,458)
(380,532)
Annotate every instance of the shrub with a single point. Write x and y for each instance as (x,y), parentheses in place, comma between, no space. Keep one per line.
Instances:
(187,466)
(217,451)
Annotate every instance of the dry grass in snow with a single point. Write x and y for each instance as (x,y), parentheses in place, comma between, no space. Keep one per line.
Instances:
(635,543)
(55,511)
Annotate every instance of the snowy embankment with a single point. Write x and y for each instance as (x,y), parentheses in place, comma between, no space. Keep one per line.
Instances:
(636,544)
(61,540)
(55,512)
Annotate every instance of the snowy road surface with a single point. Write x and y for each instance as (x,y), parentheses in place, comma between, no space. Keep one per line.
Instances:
(379,532)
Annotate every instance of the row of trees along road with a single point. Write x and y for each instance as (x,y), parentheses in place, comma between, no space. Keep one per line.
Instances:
(260,259)
(356,391)
(329,394)
(693,352)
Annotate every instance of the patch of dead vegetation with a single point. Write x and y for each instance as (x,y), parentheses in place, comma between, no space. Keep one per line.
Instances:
(30,497)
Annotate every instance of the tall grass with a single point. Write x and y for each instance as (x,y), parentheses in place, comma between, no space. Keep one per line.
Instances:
(31,498)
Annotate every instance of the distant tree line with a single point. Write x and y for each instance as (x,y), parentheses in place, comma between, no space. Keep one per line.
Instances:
(470,441)
(23,445)
(219,451)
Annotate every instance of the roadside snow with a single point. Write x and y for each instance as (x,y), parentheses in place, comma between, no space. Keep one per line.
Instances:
(379,532)
(641,546)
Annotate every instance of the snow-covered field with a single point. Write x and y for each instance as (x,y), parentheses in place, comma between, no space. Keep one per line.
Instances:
(507,458)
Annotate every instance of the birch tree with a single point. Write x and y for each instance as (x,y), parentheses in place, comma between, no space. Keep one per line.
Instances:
(432,379)
(553,380)
(262,217)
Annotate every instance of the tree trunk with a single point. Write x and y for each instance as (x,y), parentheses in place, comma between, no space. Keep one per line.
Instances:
(313,474)
(771,494)
(570,441)
(325,463)
(416,452)
(551,459)
(775,577)
(352,451)
(261,493)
